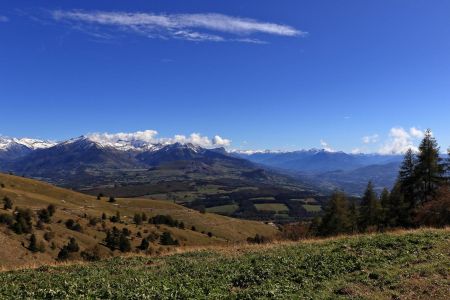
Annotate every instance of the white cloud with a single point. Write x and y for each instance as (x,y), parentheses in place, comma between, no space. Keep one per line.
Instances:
(356,151)
(192,27)
(417,133)
(219,141)
(4,19)
(147,138)
(326,146)
(401,140)
(370,139)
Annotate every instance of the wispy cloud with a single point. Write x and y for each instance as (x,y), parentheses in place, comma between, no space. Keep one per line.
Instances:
(3,19)
(191,27)
(370,139)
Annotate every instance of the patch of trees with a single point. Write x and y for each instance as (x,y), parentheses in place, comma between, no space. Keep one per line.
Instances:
(118,239)
(115,218)
(46,214)
(258,239)
(421,196)
(73,225)
(71,247)
(34,246)
(167,239)
(166,220)
(22,221)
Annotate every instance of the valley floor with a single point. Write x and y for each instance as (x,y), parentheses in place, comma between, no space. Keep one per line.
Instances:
(399,265)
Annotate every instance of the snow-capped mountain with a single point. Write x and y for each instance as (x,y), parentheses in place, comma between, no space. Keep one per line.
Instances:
(33,144)
(14,148)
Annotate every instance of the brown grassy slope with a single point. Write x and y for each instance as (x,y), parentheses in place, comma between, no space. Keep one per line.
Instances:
(28,193)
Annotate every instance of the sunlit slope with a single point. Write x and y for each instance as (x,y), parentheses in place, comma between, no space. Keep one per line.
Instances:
(35,195)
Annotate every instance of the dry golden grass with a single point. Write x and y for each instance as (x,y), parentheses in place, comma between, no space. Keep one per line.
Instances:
(33,194)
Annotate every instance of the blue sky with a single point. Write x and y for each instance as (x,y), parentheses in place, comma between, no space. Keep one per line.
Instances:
(348,75)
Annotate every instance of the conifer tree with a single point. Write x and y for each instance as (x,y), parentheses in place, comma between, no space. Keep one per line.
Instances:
(336,219)
(369,212)
(429,172)
(353,216)
(398,213)
(144,244)
(124,243)
(385,207)
(33,244)
(407,179)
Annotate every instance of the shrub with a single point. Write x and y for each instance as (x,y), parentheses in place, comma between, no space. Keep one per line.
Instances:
(144,245)
(116,218)
(63,254)
(112,200)
(7,203)
(51,210)
(124,243)
(49,235)
(72,225)
(93,221)
(258,239)
(23,221)
(6,219)
(167,239)
(72,246)
(92,254)
(44,215)
(32,246)
(137,219)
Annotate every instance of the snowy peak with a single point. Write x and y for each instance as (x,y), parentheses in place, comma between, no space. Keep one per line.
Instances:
(7,143)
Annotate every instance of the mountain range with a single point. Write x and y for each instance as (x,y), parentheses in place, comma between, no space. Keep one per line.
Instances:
(129,168)
(94,160)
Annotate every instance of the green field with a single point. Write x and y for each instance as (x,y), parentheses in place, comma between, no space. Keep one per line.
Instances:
(405,265)
(223,209)
(312,208)
(277,207)
(263,199)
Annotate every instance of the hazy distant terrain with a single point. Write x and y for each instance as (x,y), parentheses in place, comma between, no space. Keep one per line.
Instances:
(329,170)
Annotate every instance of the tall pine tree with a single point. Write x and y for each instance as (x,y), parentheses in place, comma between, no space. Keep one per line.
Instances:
(369,211)
(429,172)
(407,178)
(336,219)
(385,207)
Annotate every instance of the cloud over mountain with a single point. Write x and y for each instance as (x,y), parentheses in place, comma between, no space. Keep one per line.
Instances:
(401,140)
(150,137)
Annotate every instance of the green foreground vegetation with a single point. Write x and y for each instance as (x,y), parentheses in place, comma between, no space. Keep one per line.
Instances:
(402,265)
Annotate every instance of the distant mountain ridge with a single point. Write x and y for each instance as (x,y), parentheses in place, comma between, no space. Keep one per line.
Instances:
(330,170)
(86,163)
(89,157)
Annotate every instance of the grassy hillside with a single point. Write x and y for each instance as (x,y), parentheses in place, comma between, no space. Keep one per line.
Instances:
(28,193)
(401,265)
